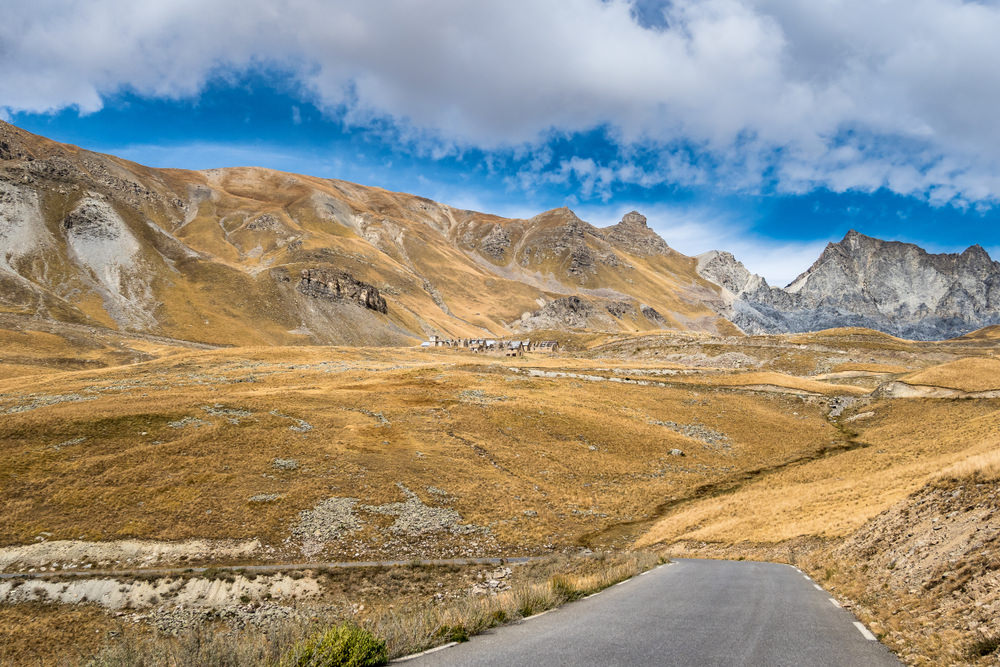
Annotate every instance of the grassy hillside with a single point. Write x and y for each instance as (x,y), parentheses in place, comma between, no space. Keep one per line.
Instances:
(216,256)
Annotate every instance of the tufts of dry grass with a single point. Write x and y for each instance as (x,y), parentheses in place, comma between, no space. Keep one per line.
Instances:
(898,450)
(409,630)
(404,629)
(980,468)
(537,460)
(968,374)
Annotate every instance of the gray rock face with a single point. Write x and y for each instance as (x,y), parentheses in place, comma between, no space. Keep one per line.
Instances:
(894,287)
(322,284)
(633,235)
(496,242)
(569,312)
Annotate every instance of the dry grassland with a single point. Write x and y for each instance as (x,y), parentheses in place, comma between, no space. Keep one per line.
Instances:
(899,448)
(970,374)
(367,453)
(176,448)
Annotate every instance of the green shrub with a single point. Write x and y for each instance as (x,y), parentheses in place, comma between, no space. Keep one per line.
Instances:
(452,633)
(345,645)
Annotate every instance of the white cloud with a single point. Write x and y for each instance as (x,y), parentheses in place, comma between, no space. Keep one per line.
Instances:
(845,94)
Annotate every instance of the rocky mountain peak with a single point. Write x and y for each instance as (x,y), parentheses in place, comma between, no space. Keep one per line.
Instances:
(895,287)
(634,235)
(633,219)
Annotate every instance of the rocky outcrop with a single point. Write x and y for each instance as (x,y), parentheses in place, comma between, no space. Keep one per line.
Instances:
(569,312)
(340,286)
(620,309)
(653,315)
(634,236)
(890,286)
(93,219)
(496,242)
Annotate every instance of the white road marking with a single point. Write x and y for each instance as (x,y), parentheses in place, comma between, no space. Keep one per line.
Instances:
(865,632)
(646,572)
(835,603)
(413,656)
(817,587)
(539,614)
(622,582)
(589,596)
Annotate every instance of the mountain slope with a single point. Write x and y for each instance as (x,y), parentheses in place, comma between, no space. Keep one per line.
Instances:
(255,256)
(860,281)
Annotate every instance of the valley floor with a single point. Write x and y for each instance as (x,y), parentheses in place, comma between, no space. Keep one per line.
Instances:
(822,449)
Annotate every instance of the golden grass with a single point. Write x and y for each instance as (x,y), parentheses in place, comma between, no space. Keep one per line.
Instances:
(980,468)
(988,334)
(909,441)
(969,374)
(48,634)
(871,368)
(582,455)
(772,379)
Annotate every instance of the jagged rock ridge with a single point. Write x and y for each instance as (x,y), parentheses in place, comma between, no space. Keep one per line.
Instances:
(894,287)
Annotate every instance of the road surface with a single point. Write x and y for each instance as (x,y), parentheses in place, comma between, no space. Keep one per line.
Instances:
(690,612)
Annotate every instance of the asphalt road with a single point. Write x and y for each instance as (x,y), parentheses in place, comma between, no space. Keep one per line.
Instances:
(691,612)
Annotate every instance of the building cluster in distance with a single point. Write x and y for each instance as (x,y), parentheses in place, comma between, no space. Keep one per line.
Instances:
(509,348)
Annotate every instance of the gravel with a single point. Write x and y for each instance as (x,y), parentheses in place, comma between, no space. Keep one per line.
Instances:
(189,421)
(265,498)
(413,517)
(232,415)
(327,521)
(300,425)
(45,401)
(715,439)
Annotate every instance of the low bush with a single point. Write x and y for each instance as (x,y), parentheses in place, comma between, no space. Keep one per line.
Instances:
(345,645)
(452,633)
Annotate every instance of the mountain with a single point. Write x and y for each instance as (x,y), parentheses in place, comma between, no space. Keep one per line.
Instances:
(247,256)
(894,287)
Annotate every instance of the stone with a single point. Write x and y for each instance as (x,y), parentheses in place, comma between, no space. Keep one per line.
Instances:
(894,287)
(495,243)
(341,286)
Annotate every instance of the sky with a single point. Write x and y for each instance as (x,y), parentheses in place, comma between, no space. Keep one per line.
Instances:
(764,127)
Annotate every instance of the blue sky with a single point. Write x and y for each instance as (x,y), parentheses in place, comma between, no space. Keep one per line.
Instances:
(737,126)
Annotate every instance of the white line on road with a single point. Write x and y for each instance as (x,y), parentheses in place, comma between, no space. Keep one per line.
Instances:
(805,576)
(835,603)
(539,614)
(817,587)
(865,632)
(622,582)
(413,656)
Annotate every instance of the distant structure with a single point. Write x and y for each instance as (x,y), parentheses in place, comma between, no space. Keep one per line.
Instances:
(508,348)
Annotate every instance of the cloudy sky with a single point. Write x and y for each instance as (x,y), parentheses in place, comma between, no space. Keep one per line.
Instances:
(765,127)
